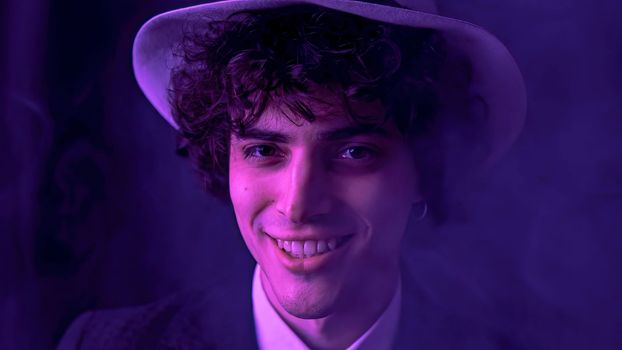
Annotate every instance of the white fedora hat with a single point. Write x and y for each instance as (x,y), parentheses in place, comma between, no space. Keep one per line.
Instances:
(496,78)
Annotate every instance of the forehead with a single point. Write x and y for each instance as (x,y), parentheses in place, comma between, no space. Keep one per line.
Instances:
(276,126)
(334,118)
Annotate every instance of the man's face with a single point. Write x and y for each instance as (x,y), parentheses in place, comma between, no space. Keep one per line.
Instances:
(322,206)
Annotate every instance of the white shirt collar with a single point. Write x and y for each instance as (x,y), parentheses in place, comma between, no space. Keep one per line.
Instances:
(274,333)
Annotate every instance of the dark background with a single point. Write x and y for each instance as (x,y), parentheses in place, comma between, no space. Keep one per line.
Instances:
(97,211)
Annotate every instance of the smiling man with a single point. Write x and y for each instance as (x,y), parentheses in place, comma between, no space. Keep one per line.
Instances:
(322,207)
(330,127)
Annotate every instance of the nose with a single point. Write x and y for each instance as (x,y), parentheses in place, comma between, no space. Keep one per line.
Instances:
(304,193)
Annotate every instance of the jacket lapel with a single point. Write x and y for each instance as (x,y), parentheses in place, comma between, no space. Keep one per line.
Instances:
(221,318)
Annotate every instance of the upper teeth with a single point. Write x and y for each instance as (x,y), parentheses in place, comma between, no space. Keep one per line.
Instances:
(300,249)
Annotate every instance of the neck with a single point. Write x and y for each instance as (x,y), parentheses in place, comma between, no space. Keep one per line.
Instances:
(347,323)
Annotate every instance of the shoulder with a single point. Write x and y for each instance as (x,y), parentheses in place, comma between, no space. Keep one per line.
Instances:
(130,328)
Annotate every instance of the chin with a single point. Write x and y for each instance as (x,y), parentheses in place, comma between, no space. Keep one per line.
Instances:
(306,310)
(309,302)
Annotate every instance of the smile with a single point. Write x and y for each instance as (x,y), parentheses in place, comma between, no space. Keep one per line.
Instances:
(310,255)
(310,248)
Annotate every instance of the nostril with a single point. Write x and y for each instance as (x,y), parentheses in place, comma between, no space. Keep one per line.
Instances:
(303,201)
(294,212)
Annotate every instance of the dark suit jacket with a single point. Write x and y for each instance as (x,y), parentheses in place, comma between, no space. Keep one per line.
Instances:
(224,320)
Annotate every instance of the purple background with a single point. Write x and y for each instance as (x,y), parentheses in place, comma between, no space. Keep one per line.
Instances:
(96,210)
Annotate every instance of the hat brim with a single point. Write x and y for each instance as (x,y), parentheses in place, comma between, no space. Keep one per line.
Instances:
(496,77)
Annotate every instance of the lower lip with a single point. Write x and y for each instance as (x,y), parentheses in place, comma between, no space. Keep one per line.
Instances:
(310,264)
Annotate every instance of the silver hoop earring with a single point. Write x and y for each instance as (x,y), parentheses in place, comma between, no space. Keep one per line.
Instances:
(424,211)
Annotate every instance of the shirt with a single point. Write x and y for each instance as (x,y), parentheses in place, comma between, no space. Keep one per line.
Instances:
(274,333)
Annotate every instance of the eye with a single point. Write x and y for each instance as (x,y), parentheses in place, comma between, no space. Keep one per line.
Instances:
(260,152)
(357,153)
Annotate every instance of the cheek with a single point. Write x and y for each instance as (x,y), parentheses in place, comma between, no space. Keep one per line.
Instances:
(238,189)
(250,195)
(383,202)
(242,194)
(245,195)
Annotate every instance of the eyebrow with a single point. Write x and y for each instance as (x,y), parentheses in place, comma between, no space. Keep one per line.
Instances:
(330,135)
(352,131)
(264,135)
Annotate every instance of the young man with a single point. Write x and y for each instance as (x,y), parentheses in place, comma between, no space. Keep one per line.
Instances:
(328,126)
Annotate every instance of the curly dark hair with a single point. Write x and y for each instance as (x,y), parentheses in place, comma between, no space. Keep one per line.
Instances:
(232,69)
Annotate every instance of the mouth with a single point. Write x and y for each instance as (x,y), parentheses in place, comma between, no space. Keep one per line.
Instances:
(310,248)
(310,256)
